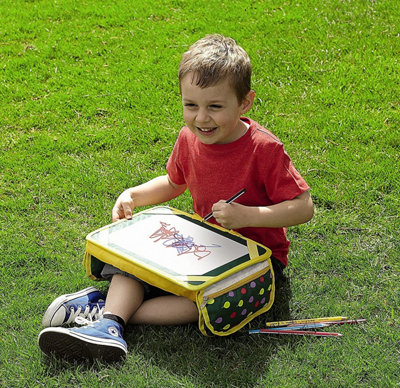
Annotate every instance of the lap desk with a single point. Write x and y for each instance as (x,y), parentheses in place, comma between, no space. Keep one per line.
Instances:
(229,276)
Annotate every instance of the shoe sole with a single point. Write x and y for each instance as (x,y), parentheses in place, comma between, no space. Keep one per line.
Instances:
(62,343)
(57,304)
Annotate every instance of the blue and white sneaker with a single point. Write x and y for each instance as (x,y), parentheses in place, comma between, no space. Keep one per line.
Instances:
(87,303)
(98,339)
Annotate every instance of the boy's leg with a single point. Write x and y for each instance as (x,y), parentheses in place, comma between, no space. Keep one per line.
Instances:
(104,338)
(124,297)
(165,310)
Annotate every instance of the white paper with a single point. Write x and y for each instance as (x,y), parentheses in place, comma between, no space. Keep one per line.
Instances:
(172,242)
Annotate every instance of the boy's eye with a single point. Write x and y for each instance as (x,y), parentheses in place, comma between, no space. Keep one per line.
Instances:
(216,106)
(189,105)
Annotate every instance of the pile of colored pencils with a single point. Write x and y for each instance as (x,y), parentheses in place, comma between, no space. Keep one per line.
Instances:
(306,326)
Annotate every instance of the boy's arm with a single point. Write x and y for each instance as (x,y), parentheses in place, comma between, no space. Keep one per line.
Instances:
(158,190)
(287,213)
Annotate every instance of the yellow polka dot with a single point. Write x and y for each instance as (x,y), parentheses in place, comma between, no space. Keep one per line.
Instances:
(211,301)
(270,286)
(261,291)
(226,327)
(227,305)
(240,304)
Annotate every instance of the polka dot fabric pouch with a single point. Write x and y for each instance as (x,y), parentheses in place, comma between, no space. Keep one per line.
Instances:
(231,303)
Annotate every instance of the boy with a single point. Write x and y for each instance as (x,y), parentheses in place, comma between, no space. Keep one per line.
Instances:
(218,153)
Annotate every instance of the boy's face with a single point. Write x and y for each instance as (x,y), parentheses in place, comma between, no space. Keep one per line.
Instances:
(213,113)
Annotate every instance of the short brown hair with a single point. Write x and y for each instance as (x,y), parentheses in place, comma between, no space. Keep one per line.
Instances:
(215,58)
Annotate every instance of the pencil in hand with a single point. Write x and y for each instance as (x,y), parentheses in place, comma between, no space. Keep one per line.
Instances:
(230,200)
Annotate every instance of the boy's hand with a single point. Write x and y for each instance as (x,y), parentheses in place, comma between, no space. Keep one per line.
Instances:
(123,206)
(230,215)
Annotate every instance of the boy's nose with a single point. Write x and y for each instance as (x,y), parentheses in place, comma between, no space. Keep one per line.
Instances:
(202,116)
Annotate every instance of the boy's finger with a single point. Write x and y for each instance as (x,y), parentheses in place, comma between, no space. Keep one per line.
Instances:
(115,214)
(127,211)
(217,205)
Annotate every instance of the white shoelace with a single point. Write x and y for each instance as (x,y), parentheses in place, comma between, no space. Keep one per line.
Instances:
(81,321)
(92,314)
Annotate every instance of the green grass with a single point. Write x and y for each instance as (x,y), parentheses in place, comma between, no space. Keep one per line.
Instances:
(90,106)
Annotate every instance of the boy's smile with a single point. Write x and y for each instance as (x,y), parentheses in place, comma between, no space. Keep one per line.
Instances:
(213,113)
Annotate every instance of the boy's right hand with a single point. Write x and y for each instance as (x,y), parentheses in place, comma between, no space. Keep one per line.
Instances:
(123,207)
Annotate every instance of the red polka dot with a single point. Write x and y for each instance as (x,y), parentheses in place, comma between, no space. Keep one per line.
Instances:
(262,279)
(243,290)
(233,315)
(257,303)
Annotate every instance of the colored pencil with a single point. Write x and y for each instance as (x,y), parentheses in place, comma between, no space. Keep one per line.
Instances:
(305,326)
(296,332)
(305,321)
(317,325)
(230,200)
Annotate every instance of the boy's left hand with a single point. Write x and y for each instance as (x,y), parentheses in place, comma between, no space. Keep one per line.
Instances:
(230,215)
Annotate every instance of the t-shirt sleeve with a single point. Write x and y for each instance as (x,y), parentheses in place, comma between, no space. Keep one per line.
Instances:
(174,167)
(283,181)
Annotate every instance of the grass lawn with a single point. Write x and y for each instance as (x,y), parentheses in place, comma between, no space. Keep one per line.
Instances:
(90,106)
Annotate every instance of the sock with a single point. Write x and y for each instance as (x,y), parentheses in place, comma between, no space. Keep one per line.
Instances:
(115,318)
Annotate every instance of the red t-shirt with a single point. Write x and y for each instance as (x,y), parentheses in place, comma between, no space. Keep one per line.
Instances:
(257,162)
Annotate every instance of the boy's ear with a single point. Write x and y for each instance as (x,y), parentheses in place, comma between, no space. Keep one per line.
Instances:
(247,102)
